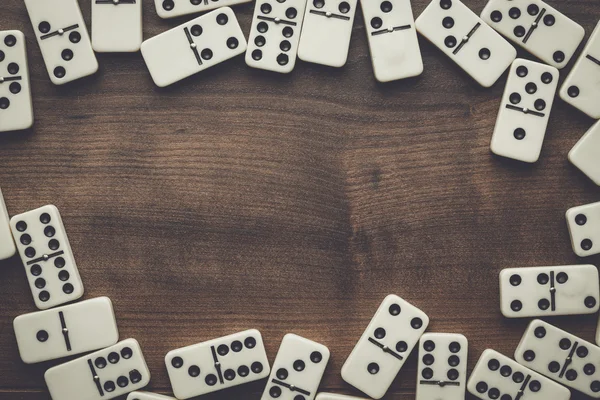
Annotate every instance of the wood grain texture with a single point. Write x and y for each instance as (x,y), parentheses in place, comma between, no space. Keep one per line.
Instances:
(244,199)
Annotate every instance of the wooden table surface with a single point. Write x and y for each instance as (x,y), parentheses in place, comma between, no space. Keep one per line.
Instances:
(244,199)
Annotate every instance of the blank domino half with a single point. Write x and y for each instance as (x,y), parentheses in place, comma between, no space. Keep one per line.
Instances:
(148,396)
(585,155)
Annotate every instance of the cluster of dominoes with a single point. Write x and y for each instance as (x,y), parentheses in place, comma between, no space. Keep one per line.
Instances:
(319,31)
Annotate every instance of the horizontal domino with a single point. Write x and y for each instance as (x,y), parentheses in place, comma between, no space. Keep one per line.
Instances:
(584,228)
(537,27)
(116,25)
(16,109)
(66,331)
(194,46)
(7,244)
(561,356)
(333,396)
(549,291)
(147,396)
(585,155)
(177,8)
(217,364)
(496,376)
(46,254)
(103,375)
(581,89)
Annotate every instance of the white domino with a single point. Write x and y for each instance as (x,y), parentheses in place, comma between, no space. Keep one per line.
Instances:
(217,364)
(66,331)
(47,257)
(581,89)
(176,8)
(585,155)
(275,34)
(194,46)
(584,228)
(384,346)
(326,32)
(332,396)
(561,356)
(148,396)
(498,377)
(7,244)
(549,291)
(103,375)
(392,36)
(116,25)
(297,370)
(467,40)
(524,111)
(63,39)
(442,371)
(537,27)
(16,110)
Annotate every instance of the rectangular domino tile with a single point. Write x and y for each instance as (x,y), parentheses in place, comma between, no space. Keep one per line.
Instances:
(467,40)
(176,8)
(217,364)
(584,229)
(332,396)
(442,371)
(116,25)
(524,111)
(297,370)
(538,28)
(561,356)
(326,32)
(581,89)
(194,46)
(7,244)
(496,375)
(148,396)
(585,155)
(66,331)
(16,109)
(549,291)
(392,36)
(103,375)
(47,257)
(275,34)
(384,346)
(63,39)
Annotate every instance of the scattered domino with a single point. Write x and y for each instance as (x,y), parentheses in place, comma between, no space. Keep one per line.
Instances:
(297,370)
(116,25)
(392,36)
(63,39)
(217,364)
(549,291)
(525,110)
(561,356)
(176,8)
(103,375)
(581,89)
(276,27)
(194,46)
(585,155)
(47,257)
(7,244)
(332,396)
(498,377)
(467,40)
(147,396)
(16,109)
(584,229)
(326,32)
(442,371)
(66,331)
(384,346)
(538,28)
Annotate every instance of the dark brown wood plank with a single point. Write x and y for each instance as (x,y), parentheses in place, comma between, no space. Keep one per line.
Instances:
(240,198)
